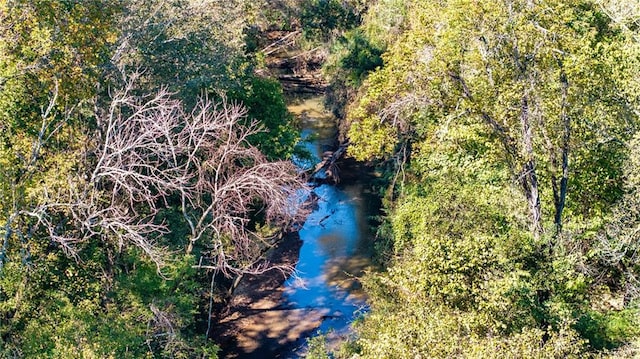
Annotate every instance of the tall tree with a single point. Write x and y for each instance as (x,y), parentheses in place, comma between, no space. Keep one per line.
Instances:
(108,177)
(52,56)
(551,79)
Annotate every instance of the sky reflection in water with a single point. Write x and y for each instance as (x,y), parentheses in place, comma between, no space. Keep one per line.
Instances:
(336,245)
(330,237)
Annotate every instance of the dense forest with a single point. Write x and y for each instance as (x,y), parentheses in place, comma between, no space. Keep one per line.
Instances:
(145,168)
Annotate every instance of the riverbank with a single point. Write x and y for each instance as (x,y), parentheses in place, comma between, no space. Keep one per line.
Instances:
(272,315)
(256,323)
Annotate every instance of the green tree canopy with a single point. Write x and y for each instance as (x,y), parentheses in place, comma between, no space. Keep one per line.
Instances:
(506,125)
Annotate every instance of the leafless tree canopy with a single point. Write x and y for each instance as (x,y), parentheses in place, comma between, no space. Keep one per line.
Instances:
(151,153)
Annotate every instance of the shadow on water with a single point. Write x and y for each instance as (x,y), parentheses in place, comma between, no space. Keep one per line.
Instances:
(336,248)
(337,243)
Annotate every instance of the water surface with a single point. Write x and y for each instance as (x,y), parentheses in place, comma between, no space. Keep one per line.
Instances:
(337,243)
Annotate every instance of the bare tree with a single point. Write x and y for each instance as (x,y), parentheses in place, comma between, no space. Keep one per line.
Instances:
(150,154)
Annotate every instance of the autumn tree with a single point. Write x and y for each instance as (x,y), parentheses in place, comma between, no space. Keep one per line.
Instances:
(524,74)
(52,54)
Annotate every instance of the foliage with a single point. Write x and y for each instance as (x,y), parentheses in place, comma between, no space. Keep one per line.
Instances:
(610,329)
(507,131)
(361,56)
(385,21)
(322,20)
(528,75)
(102,213)
(317,347)
(198,47)
(121,314)
(504,126)
(190,46)
(618,246)
(265,102)
(353,57)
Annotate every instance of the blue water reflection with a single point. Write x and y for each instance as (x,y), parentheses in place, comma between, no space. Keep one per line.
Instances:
(336,241)
(330,237)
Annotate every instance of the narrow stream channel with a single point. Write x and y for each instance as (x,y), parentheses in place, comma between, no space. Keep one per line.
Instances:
(337,241)
(271,316)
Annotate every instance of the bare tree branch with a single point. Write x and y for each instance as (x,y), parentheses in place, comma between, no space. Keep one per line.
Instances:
(151,154)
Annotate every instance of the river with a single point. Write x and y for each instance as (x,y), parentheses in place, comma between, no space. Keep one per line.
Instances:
(272,316)
(337,243)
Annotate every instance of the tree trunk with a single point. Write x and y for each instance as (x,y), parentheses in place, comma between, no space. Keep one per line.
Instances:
(529,178)
(560,195)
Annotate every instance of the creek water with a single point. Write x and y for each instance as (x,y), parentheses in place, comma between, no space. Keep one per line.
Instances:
(272,316)
(337,240)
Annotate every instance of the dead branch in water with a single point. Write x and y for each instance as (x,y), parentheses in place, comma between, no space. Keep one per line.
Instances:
(329,163)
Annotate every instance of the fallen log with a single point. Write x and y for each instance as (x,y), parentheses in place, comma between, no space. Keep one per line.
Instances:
(328,163)
(287,40)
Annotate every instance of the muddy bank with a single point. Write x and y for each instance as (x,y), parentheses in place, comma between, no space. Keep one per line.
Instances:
(257,322)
